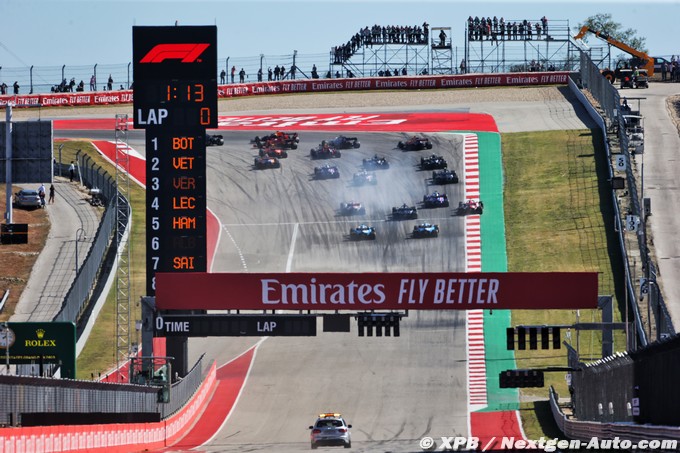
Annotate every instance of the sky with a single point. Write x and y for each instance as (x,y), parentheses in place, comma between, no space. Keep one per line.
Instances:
(74,33)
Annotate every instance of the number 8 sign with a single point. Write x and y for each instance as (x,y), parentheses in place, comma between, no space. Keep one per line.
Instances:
(620,162)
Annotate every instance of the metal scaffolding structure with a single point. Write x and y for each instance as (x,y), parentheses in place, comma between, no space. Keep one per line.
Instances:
(442,51)
(507,49)
(123,214)
(375,59)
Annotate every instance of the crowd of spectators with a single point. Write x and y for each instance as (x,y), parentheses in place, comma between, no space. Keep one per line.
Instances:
(670,71)
(390,34)
(495,29)
(5,90)
(68,87)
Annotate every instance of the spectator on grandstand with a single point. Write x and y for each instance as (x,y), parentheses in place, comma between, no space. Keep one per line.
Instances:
(16,87)
(242,75)
(233,73)
(3,88)
(403,71)
(544,24)
(277,71)
(337,74)
(93,83)
(462,66)
(259,75)
(282,71)
(223,77)
(81,86)
(442,38)
(270,74)
(292,72)
(110,83)
(315,75)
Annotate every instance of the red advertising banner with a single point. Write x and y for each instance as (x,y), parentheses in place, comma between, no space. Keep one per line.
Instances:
(394,83)
(306,86)
(376,291)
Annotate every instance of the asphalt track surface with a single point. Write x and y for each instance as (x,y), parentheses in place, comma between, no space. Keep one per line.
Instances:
(392,390)
(282,220)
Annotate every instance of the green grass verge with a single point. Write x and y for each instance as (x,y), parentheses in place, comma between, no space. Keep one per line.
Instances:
(99,354)
(559,217)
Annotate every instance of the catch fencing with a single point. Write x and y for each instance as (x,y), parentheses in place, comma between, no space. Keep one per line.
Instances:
(624,143)
(78,297)
(587,430)
(632,387)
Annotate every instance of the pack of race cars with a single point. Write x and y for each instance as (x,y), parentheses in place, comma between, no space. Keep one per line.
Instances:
(276,146)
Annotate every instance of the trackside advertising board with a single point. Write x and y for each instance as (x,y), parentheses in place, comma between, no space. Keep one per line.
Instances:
(376,291)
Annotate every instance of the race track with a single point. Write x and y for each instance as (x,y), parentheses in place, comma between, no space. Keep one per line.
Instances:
(282,220)
(393,390)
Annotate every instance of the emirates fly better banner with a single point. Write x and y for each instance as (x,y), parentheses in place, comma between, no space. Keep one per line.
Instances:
(376,291)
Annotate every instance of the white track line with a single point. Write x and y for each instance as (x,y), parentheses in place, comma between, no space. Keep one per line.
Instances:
(289,263)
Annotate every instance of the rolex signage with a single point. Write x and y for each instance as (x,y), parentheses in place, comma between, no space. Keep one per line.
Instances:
(40,343)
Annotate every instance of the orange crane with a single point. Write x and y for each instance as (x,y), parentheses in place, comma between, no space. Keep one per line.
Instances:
(640,59)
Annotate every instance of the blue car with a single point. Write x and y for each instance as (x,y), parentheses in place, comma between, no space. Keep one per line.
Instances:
(433,162)
(326,172)
(342,142)
(425,230)
(436,200)
(362,232)
(404,212)
(375,163)
(444,177)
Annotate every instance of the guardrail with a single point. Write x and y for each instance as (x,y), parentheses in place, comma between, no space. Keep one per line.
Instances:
(585,431)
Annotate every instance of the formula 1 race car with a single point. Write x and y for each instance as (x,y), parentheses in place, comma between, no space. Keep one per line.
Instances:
(444,177)
(342,142)
(376,163)
(266,162)
(277,142)
(425,230)
(324,151)
(364,177)
(362,232)
(214,140)
(283,139)
(326,172)
(436,200)
(404,212)
(433,162)
(273,152)
(469,207)
(415,143)
(352,208)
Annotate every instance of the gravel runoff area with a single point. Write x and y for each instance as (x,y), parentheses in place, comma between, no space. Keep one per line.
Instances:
(349,100)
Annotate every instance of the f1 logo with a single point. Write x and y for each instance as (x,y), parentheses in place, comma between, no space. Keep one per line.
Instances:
(186,53)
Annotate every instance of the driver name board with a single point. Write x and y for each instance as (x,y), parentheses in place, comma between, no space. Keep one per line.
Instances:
(175,100)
